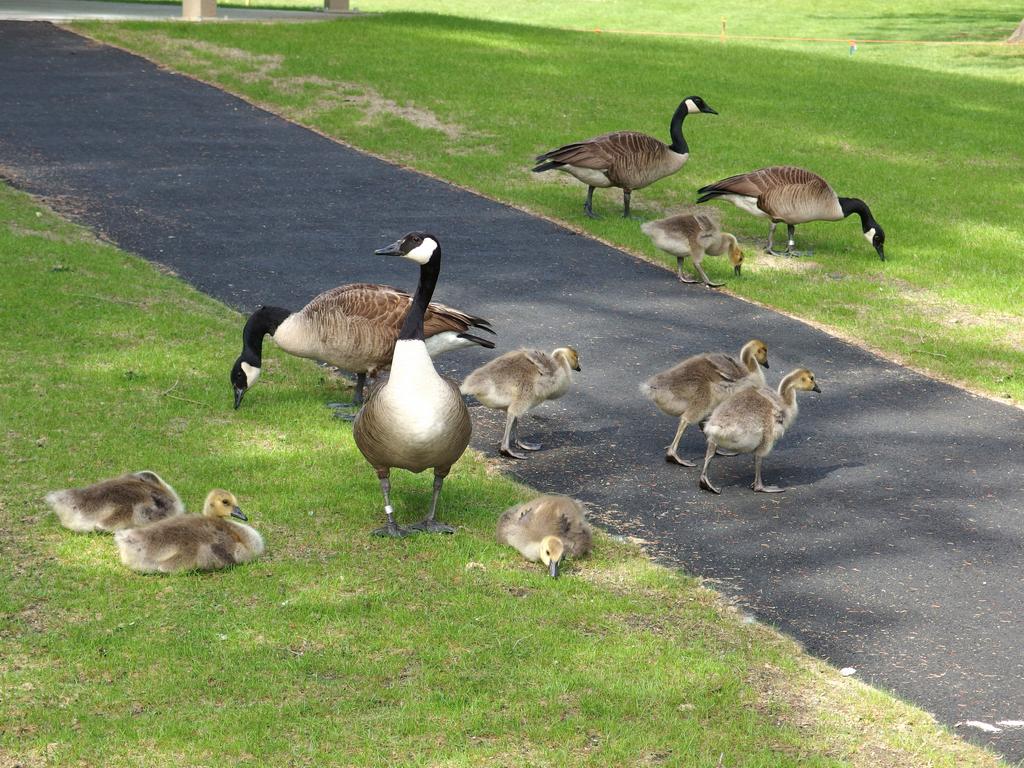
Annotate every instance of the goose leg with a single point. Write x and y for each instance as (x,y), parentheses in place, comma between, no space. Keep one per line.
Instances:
(771,240)
(679,271)
(705,483)
(757,485)
(704,277)
(506,441)
(522,443)
(791,230)
(429,524)
(626,194)
(391,529)
(347,411)
(588,206)
(670,455)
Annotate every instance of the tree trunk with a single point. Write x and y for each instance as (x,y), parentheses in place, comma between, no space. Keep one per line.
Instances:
(1018,34)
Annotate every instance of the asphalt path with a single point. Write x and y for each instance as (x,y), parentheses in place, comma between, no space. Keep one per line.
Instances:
(897,548)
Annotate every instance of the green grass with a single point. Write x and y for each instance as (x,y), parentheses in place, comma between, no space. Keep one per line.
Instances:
(338,649)
(936,155)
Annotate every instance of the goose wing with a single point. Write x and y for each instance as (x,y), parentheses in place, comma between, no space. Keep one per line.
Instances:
(609,152)
(726,367)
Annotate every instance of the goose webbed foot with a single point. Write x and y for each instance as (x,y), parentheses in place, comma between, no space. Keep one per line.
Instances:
(589,213)
(430,526)
(762,488)
(528,446)
(709,284)
(720,452)
(588,205)
(393,530)
(344,411)
(507,450)
(673,458)
(705,485)
(687,279)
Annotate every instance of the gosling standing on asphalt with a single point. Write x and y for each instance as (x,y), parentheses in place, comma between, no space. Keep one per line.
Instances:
(519,381)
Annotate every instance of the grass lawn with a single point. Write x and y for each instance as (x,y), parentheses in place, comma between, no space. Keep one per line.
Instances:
(338,648)
(936,155)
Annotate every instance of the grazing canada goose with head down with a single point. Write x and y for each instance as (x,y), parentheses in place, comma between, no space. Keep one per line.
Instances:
(203,542)
(694,233)
(794,196)
(416,419)
(112,505)
(518,381)
(625,159)
(693,388)
(353,327)
(548,528)
(752,420)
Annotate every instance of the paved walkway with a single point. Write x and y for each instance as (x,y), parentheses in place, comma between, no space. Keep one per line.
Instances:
(897,549)
(80,10)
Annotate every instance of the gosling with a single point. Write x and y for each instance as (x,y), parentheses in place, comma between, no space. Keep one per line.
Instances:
(205,542)
(694,234)
(693,388)
(752,421)
(519,381)
(548,528)
(111,505)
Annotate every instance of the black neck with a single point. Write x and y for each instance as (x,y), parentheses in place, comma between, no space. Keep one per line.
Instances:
(855,205)
(675,130)
(261,322)
(412,328)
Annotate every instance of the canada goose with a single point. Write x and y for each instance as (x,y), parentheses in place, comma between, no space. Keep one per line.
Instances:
(752,420)
(112,505)
(794,196)
(416,419)
(518,381)
(353,327)
(694,234)
(625,159)
(693,388)
(203,542)
(547,528)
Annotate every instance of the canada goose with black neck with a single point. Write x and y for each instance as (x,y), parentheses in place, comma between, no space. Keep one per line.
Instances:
(353,327)
(626,159)
(416,419)
(785,193)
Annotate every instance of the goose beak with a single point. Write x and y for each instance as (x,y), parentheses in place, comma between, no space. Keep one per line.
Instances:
(391,250)
(708,110)
(816,388)
(881,252)
(577,369)
(736,270)
(239,394)
(765,364)
(553,569)
(236,512)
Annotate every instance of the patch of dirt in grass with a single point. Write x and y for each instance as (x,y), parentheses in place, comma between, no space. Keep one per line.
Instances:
(325,94)
(764,260)
(45,234)
(953,315)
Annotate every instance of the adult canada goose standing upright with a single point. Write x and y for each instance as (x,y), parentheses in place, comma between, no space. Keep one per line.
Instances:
(416,419)
(353,327)
(625,159)
(693,388)
(694,234)
(113,505)
(547,528)
(794,196)
(752,420)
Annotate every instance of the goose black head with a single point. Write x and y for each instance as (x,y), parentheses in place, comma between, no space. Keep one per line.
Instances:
(697,104)
(420,247)
(243,376)
(875,235)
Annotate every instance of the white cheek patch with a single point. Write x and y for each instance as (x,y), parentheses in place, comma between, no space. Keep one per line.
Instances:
(691,107)
(251,374)
(870,235)
(421,253)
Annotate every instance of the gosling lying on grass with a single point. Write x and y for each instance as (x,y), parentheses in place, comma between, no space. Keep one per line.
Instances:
(122,502)
(205,542)
(752,421)
(519,381)
(547,528)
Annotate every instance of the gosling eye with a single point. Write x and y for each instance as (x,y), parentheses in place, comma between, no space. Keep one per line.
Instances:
(224,502)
